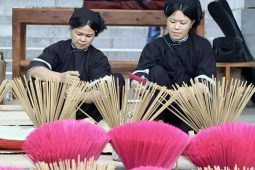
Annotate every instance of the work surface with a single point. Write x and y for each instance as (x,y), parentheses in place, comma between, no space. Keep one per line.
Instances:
(14,115)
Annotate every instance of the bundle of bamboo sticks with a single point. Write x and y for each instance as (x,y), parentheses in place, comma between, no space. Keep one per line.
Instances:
(204,104)
(46,101)
(119,106)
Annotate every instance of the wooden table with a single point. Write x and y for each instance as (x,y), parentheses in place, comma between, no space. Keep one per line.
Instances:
(234,69)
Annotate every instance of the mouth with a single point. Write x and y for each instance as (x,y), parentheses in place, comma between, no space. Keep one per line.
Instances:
(81,45)
(176,33)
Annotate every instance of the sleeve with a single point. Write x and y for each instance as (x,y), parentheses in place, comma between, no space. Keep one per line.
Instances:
(100,67)
(206,67)
(49,58)
(149,58)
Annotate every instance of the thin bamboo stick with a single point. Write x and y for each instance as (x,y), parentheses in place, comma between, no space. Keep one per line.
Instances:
(89,164)
(4,87)
(225,168)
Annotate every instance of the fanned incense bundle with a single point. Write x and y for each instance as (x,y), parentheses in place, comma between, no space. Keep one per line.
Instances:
(4,87)
(46,101)
(130,105)
(148,143)
(230,145)
(88,164)
(206,104)
(65,140)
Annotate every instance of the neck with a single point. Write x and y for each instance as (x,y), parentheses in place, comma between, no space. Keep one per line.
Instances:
(180,40)
(75,49)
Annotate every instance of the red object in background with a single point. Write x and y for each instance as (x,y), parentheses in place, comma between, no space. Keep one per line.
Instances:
(125,4)
(11,144)
(137,78)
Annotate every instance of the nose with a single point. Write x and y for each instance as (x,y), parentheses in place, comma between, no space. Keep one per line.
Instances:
(82,38)
(177,25)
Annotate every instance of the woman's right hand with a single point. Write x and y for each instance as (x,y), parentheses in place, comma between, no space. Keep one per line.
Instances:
(69,76)
(43,73)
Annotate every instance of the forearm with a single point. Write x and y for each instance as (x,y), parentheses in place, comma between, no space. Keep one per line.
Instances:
(46,74)
(90,96)
(43,73)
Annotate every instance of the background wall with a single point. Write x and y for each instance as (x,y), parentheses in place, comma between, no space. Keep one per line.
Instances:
(119,43)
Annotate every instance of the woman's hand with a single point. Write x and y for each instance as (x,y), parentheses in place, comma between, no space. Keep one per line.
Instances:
(69,76)
(89,97)
(43,73)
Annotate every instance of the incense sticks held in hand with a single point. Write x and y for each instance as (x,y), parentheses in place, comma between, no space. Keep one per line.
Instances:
(46,101)
(119,106)
(65,140)
(229,145)
(148,143)
(204,104)
(88,164)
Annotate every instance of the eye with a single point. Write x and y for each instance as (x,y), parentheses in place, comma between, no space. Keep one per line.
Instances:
(79,34)
(183,23)
(172,21)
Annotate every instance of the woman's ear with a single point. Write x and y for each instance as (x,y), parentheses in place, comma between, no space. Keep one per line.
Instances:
(192,22)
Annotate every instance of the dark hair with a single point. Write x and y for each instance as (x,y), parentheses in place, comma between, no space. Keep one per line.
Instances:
(76,23)
(83,16)
(192,11)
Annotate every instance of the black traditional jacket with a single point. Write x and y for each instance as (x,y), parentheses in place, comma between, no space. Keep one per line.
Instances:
(184,60)
(61,57)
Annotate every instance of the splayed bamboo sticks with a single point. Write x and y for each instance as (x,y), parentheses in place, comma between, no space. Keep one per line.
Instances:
(46,101)
(4,87)
(225,168)
(73,165)
(119,106)
(206,104)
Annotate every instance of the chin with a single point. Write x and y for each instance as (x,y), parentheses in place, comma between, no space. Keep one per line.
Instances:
(82,48)
(177,38)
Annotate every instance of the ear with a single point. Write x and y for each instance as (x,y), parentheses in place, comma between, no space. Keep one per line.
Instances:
(192,22)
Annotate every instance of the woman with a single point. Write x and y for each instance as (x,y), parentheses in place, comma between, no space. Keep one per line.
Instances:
(179,55)
(76,57)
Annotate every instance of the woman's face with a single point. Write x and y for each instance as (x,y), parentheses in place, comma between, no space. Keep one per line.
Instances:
(178,25)
(82,37)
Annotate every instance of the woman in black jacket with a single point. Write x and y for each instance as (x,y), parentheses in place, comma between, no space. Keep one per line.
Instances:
(179,55)
(76,57)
